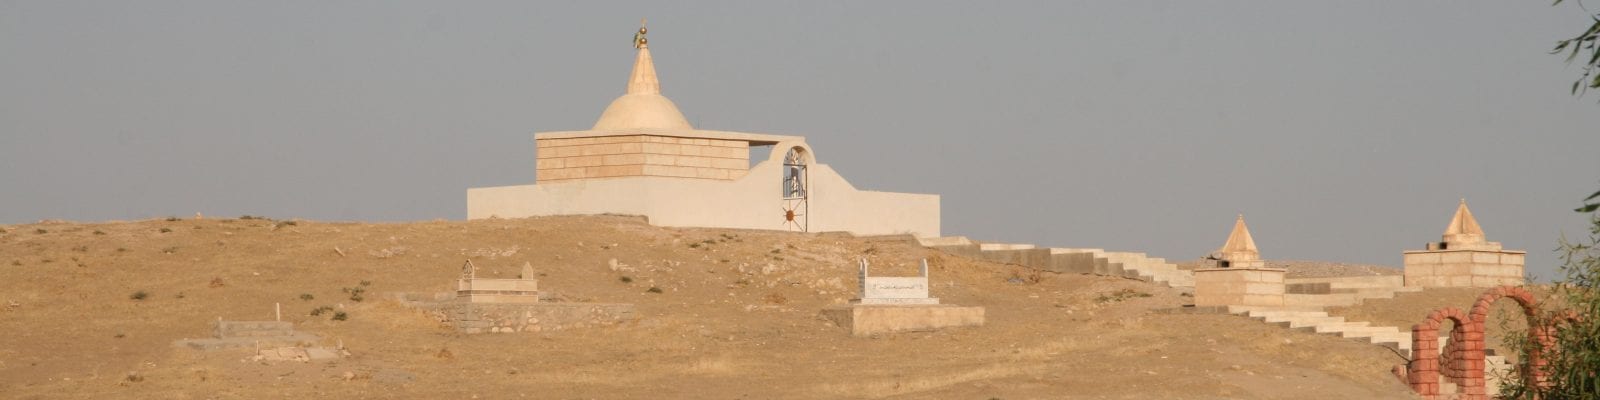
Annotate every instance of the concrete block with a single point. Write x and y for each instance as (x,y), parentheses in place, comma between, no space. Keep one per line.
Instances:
(549,163)
(1455,257)
(730,163)
(584,161)
(1264,300)
(1264,289)
(867,320)
(622,159)
(692,161)
(1451,269)
(1485,258)
(1512,258)
(660,148)
(1421,258)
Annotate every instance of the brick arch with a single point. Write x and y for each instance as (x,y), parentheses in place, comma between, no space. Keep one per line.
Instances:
(1424,370)
(1530,307)
(1464,357)
(1542,335)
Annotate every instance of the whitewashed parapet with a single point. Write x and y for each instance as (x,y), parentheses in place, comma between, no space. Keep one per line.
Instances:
(894,290)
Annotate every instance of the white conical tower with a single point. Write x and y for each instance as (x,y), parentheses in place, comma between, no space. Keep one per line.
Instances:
(643,106)
(1463,227)
(1240,249)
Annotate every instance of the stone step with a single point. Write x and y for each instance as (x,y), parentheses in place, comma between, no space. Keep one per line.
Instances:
(1320,300)
(1265,313)
(1367,331)
(1003,246)
(1308,324)
(1341,327)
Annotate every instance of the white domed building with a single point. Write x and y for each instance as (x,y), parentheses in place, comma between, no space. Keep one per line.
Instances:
(642,157)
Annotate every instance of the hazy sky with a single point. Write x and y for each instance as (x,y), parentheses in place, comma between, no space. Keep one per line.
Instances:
(1343,130)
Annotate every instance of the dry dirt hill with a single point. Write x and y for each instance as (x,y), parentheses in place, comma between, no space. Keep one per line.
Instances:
(736,318)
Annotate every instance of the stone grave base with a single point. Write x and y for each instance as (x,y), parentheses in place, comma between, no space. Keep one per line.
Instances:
(869,319)
(251,335)
(540,317)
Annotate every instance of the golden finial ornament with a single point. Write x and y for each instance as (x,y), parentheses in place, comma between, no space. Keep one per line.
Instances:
(639,41)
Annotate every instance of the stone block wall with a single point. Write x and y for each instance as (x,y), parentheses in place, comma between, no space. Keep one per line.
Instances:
(1464,268)
(497,290)
(566,159)
(506,318)
(1261,287)
(237,329)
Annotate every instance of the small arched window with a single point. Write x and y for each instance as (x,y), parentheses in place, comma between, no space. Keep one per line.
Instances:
(794,174)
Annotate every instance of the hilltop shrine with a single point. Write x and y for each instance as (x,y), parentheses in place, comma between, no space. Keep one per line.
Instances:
(642,157)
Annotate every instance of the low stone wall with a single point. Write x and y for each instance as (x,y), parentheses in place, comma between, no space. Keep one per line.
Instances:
(867,320)
(249,334)
(506,318)
(1044,259)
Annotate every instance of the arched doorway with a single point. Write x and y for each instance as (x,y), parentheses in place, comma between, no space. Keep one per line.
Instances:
(796,191)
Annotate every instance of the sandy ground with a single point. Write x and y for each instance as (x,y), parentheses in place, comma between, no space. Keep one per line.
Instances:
(736,319)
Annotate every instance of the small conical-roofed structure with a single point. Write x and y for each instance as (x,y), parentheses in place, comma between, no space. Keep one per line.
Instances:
(1240,247)
(1465,258)
(1463,227)
(642,106)
(1239,277)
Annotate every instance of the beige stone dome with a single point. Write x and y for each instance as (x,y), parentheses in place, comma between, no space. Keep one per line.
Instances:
(643,107)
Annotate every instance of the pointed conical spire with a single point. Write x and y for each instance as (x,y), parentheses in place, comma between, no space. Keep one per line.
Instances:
(1240,246)
(643,80)
(643,106)
(1463,227)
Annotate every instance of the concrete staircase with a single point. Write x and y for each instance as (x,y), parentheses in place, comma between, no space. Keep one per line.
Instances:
(1315,321)
(1069,260)
(1143,267)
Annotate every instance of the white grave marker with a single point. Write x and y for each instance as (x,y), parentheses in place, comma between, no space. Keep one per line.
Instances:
(894,290)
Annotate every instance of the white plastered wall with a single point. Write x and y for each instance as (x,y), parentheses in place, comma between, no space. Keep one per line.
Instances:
(752,202)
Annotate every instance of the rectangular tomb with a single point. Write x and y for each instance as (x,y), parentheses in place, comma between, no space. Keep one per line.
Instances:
(905,290)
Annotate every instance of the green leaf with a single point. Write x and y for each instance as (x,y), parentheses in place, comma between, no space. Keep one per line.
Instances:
(1592,196)
(1588,208)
